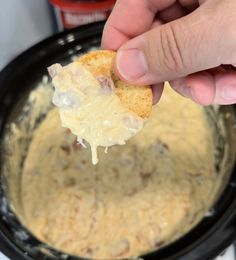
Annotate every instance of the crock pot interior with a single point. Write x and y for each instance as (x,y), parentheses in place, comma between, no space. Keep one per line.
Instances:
(21,76)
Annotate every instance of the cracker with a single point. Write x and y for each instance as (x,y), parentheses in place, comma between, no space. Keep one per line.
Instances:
(137,99)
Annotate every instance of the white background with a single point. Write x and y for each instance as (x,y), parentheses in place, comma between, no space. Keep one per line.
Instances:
(22,23)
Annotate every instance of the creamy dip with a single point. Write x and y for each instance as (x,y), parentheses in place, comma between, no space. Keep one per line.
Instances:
(89,107)
(140,197)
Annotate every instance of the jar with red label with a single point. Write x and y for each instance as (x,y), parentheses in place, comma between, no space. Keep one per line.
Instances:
(73,13)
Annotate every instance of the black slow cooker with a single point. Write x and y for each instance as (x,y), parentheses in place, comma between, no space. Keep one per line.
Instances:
(207,240)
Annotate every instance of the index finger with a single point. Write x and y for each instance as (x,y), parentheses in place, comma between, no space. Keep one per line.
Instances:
(130,18)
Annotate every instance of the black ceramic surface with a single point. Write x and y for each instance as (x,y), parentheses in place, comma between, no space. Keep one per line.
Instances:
(206,241)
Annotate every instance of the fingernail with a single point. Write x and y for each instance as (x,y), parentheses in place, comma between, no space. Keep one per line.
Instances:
(131,64)
(186,91)
(229,92)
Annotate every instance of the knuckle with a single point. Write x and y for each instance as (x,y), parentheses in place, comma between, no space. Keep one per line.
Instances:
(171,53)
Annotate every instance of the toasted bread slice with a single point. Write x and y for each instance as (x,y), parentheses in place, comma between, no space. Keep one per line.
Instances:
(137,99)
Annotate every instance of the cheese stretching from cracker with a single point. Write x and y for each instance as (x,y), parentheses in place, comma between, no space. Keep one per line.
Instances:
(89,107)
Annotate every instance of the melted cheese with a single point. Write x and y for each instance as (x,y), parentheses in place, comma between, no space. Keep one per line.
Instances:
(90,108)
(140,197)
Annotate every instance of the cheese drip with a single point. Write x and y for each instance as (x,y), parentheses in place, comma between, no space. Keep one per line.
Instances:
(89,107)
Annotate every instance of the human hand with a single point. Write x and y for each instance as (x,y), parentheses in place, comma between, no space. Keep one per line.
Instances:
(187,42)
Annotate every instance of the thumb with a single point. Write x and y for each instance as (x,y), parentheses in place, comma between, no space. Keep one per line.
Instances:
(193,43)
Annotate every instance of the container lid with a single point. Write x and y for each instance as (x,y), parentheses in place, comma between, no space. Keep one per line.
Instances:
(82,5)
